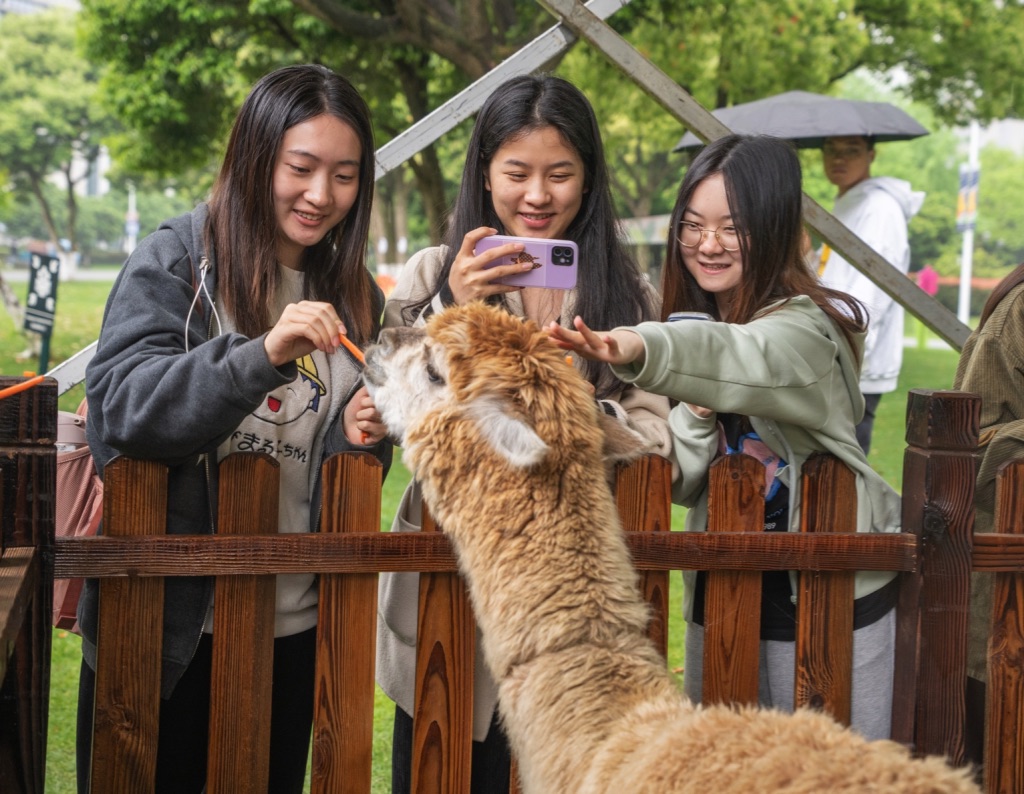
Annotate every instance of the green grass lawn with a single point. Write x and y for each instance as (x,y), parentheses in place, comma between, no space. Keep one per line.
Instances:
(80,308)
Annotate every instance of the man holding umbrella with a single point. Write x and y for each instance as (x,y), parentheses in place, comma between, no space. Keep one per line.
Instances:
(876,209)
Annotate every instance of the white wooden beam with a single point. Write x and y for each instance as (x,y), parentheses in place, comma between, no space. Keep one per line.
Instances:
(550,44)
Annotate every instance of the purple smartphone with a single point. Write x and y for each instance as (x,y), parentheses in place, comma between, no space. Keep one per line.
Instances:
(554,261)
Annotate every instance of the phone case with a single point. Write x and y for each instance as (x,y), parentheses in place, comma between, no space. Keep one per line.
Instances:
(677,316)
(555,261)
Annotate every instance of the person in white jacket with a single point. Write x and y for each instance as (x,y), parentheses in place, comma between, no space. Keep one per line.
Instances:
(876,209)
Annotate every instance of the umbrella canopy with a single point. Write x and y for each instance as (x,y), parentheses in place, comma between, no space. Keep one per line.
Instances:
(807,119)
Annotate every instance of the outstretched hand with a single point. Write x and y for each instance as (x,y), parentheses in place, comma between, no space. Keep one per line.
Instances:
(611,347)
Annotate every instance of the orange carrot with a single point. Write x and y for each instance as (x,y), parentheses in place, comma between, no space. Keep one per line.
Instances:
(20,387)
(355,351)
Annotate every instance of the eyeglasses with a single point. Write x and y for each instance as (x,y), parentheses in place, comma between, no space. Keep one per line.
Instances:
(844,152)
(692,234)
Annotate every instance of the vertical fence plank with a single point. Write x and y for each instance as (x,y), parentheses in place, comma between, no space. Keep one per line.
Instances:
(443,718)
(643,495)
(1004,694)
(824,638)
(28,474)
(732,603)
(126,720)
(346,635)
(939,469)
(243,633)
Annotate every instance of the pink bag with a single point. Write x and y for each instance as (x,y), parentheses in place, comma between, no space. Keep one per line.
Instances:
(79,506)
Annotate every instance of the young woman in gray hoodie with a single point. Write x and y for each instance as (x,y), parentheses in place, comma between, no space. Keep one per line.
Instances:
(774,374)
(220,335)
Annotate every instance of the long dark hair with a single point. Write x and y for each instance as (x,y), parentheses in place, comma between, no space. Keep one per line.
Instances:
(1011,280)
(243,228)
(610,290)
(763,185)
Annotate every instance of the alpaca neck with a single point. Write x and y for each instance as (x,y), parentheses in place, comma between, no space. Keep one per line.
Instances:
(545,572)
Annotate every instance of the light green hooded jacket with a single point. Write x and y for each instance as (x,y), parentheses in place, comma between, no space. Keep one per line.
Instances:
(792,372)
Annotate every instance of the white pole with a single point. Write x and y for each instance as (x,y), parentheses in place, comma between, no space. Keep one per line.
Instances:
(967,252)
(131,225)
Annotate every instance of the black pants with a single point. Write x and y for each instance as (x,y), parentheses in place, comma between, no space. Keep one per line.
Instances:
(492,759)
(974,728)
(185,720)
(867,424)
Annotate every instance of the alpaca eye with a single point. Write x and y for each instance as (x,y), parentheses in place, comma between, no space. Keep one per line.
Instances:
(433,377)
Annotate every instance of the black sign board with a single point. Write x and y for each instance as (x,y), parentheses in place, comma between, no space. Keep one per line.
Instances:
(42,293)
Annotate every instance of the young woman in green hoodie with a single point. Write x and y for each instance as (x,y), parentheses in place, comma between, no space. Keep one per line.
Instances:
(773,373)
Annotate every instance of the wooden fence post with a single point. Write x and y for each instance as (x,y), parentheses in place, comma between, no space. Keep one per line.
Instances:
(939,469)
(343,715)
(1004,692)
(732,603)
(824,640)
(443,712)
(643,496)
(241,676)
(28,475)
(126,721)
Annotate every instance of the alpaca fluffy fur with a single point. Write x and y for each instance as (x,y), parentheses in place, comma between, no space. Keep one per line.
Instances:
(507,442)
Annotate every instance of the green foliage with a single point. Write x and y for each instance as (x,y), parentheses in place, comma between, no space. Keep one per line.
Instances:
(101,219)
(717,53)
(1000,230)
(961,56)
(48,115)
(182,68)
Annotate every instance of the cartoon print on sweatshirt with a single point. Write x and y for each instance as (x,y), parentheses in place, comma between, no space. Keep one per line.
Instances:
(289,402)
(750,443)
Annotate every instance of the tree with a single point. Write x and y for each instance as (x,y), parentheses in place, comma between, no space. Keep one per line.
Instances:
(182,67)
(1000,229)
(49,120)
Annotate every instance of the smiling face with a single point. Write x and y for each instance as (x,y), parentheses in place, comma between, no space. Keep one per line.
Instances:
(316,181)
(716,270)
(536,182)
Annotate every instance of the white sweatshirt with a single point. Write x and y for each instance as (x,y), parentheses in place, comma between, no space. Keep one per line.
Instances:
(876,210)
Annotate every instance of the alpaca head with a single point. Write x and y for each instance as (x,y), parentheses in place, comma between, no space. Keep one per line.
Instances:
(478,364)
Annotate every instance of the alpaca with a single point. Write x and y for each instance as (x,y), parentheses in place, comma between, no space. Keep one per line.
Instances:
(507,442)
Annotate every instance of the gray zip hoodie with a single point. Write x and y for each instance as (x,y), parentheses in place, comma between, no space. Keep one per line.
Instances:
(160,391)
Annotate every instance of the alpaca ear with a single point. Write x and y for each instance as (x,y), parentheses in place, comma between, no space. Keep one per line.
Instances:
(510,437)
(621,443)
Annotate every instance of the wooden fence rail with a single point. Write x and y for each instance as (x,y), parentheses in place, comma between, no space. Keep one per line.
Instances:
(933,555)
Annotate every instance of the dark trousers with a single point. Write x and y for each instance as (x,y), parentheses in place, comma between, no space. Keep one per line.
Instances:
(867,424)
(974,729)
(492,759)
(185,720)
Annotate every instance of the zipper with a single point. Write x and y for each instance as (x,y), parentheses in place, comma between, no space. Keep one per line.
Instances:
(204,459)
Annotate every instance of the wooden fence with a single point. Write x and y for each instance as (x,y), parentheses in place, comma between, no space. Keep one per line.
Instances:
(934,555)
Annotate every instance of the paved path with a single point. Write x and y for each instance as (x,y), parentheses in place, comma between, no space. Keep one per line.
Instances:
(19,275)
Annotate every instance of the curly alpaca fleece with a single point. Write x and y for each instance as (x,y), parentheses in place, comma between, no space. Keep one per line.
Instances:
(506,440)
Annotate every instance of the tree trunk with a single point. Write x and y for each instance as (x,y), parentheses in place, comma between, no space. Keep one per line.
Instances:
(11,303)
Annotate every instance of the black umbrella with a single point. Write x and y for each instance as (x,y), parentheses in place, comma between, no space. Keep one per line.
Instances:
(807,119)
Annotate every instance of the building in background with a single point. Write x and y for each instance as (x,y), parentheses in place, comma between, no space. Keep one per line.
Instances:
(31,6)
